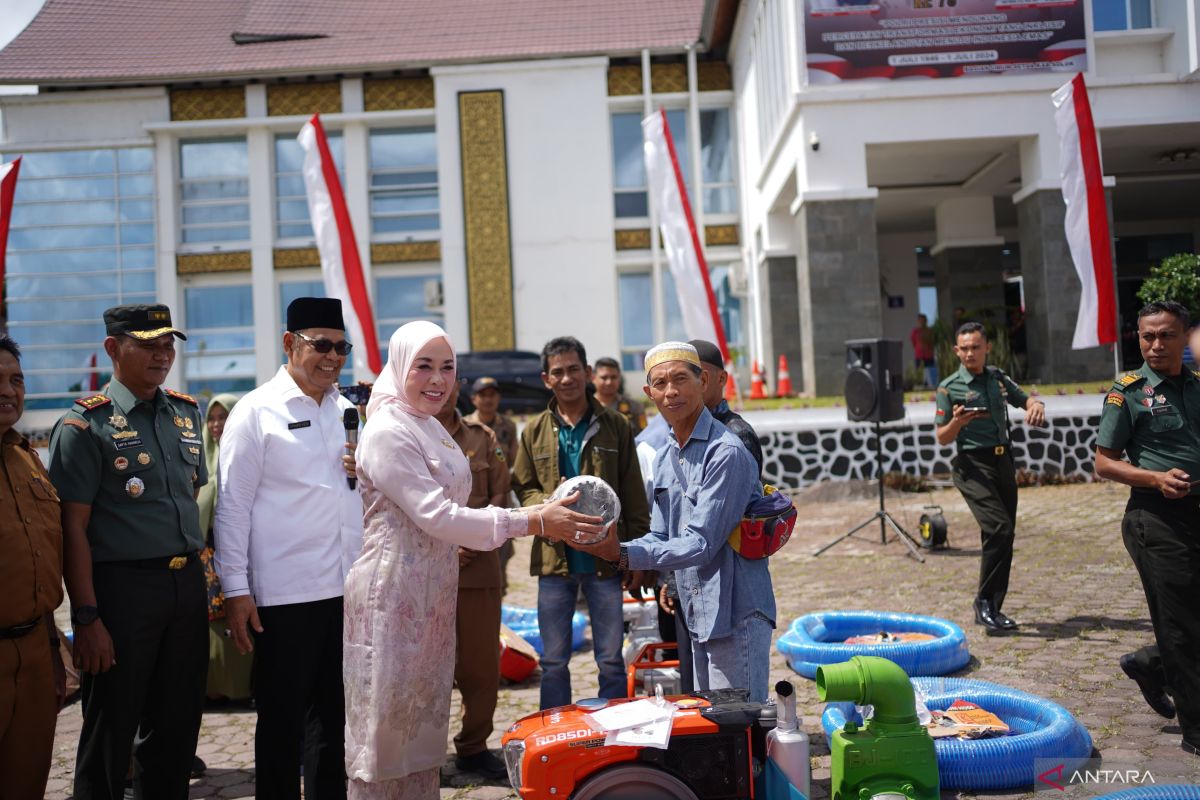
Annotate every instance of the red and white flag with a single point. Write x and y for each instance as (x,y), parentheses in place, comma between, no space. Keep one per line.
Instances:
(8,187)
(681,239)
(341,267)
(1087,215)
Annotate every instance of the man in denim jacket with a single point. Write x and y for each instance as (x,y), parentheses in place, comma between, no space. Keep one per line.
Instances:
(703,481)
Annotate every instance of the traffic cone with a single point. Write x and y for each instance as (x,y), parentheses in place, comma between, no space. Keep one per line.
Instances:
(783,381)
(756,383)
(731,391)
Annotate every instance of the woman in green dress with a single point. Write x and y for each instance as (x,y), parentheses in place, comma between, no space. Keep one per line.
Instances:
(228,669)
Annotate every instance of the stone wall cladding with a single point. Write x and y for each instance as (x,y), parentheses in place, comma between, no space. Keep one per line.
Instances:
(795,459)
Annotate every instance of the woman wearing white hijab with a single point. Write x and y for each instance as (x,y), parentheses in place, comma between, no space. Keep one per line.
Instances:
(401,593)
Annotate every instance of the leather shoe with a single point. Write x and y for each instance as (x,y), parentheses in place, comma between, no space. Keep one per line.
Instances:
(1151,686)
(985,615)
(198,766)
(483,763)
(1003,620)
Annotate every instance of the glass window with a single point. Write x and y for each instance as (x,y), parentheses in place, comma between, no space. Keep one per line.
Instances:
(404,183)
(219,352)
(405,298)
(716,157)
(82,240)
(638,314)
(291,201)
(629,163)
(1121,15)
(289,291)
(214,191)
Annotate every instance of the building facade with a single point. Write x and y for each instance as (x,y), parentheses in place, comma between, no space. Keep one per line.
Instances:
(492,163)
(876,188)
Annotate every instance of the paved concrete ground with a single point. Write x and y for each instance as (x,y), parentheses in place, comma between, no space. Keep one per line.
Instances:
(1073,589)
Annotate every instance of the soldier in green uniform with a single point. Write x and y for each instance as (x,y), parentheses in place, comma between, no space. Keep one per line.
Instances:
(972,413)
(127,464)
(1153,416)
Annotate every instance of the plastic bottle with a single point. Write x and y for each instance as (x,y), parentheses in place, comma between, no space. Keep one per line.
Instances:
(788,769)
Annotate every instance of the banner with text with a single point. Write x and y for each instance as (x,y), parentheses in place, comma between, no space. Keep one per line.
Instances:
(922,39)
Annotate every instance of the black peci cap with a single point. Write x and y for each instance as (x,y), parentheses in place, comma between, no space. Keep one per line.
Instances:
(315,312)
(140,321)
(709,353)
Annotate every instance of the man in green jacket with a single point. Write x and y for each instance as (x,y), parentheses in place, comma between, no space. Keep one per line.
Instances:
(576,435)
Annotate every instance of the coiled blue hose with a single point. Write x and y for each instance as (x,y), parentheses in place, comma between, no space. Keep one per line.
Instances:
(1166,791)
(524,623)
(1039,729)
(817,639)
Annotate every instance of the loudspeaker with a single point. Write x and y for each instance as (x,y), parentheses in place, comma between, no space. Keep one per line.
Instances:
(874,380)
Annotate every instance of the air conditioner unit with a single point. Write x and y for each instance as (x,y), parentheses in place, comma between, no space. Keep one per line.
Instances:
(434,296)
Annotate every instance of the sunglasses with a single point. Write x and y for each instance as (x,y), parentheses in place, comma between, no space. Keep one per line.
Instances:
(323,346)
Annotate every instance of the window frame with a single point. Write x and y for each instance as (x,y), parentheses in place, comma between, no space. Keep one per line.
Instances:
(1150,6)
(183,204)
(432,234)
(708,101)
(215,281)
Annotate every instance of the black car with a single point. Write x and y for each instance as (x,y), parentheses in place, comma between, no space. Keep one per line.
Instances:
(518,373)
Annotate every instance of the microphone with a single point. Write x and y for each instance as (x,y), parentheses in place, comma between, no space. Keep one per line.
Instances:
(350,423)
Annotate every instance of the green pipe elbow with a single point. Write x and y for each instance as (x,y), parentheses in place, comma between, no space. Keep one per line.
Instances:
(870,680)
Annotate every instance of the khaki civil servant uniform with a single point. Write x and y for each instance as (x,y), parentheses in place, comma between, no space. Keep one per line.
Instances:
(477,658)
(505,430)
(1155,420)
(31,577)
(138,464)
(983,469)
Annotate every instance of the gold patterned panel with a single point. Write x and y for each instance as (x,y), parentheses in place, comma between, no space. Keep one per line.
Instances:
(632,238)
(666,78)
(624,79)
(486,221)
(716,235)
(197,263)
(295,257)
(401,252)
(217,102)
(713,76)
(388,94)
(304,99)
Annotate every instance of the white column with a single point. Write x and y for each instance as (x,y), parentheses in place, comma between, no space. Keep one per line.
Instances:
(656,279)
(166,235)
(267,326)
(358,194)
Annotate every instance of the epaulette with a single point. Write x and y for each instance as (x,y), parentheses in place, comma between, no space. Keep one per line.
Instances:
(1128,379)
(187,398)
(1196,372)
(94,401)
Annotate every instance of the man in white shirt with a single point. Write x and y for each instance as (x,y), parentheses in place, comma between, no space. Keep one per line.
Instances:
(288,527)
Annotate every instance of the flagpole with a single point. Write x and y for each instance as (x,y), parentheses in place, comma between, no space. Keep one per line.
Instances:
(656,279)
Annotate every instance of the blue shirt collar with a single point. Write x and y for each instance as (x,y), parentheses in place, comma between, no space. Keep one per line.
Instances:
(701,431)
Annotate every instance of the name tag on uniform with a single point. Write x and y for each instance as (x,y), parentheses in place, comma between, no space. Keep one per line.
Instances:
(1158,411)
(301,424)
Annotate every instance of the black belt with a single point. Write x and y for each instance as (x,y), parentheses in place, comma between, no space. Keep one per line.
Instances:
(17,631)
(997,450)
(1155,501)
(162,562)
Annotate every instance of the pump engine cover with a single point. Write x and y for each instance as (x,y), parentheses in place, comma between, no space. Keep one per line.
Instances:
(596,498)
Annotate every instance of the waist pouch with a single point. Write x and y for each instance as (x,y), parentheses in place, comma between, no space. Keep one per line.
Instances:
(766,525)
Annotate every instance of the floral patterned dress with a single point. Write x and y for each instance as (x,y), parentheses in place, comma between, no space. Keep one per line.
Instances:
(400,602)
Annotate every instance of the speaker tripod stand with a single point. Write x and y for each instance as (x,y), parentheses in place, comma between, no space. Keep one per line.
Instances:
(885,519)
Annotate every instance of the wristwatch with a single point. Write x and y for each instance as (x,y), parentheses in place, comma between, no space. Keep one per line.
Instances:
(623,561)
(84,615)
